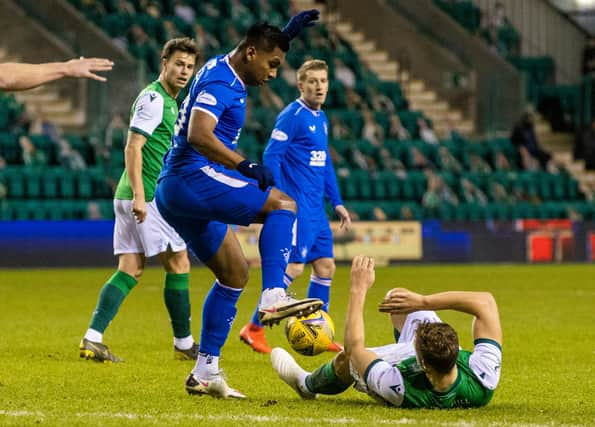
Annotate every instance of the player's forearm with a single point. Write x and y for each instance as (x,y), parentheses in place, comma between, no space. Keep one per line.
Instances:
(133,160)
(209,146)
(354,324)
(15,76)
(474,303)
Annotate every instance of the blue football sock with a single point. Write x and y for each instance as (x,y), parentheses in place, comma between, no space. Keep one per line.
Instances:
(287,280)
(275,246)
(218,313)
(320,287)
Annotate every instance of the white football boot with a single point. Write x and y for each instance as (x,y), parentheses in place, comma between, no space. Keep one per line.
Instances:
(276,305)
(215,386)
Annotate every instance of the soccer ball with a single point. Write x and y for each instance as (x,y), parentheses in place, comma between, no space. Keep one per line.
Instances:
(310,335)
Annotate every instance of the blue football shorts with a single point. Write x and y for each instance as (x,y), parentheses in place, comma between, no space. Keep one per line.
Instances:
(199,206)
(314,238)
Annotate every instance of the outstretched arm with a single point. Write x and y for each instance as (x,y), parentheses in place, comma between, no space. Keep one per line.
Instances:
(15,76)
(362,279)
(482,305)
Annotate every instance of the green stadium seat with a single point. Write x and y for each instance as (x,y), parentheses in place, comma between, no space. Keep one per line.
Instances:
(33,182)
(498,211)
(50,183)
(9,147)
(15,181)
(84,184)
(66,180)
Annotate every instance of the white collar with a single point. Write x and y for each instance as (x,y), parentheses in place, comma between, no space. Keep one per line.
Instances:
(226,59)
(316,113)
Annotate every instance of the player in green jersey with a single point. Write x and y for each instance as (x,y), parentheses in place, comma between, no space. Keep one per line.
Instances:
(140,231)
(425,368)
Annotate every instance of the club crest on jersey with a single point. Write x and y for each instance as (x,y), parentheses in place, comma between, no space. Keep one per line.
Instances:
(279,135)
(304,251)
(206,98)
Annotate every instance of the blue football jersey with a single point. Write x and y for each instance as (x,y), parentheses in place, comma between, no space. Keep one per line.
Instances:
(218,91)
(297,154)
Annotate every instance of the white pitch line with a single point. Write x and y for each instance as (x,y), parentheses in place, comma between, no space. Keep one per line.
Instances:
(278,419)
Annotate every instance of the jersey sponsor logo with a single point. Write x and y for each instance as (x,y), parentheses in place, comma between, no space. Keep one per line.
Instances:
(152,97)
(312,128)
(317,158)
(279,135)
(206,98)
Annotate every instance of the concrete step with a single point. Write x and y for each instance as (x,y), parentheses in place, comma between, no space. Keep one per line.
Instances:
(375,56)
(431,107)
(68,120)
(454,115)
(381,67)
(57,106)
(416,86)
(576,168)
(423,97)
(37,97)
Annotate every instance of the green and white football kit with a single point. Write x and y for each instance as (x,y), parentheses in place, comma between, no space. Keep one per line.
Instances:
(397,378)
(153,115)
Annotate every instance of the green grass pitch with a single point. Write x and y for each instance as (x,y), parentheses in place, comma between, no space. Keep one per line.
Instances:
(548,373)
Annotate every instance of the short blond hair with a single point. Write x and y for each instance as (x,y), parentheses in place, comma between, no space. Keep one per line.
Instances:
(311,64)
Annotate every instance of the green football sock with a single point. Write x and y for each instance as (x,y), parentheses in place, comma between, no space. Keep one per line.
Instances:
(110,298)
(177,300)
(324,380)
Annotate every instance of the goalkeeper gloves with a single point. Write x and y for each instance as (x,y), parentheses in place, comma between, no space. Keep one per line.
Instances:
(298,22)
(258,172)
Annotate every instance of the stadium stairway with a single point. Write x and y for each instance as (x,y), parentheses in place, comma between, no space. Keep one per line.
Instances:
(419,96)
(560,145)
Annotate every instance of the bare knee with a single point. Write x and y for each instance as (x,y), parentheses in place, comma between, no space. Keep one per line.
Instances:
(295,270)
(176,262)
(236,276)
(132,264)
(324,267)
(280,201)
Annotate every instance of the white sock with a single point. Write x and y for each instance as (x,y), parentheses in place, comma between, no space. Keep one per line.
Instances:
(206,366)
(184,343)
(302,382)
(93,335)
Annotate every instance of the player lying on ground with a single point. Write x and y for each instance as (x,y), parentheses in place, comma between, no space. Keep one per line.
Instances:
(16,76)
(205,185)
(140,232)
(426,368)
(297,154)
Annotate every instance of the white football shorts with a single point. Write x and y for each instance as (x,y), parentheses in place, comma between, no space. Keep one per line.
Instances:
(151,237)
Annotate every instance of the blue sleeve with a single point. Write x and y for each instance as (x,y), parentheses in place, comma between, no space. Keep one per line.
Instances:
(331,189)
(279,141)
(213,99)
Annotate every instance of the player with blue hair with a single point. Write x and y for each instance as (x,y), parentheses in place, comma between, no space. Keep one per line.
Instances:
(205,185)
(298,156)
